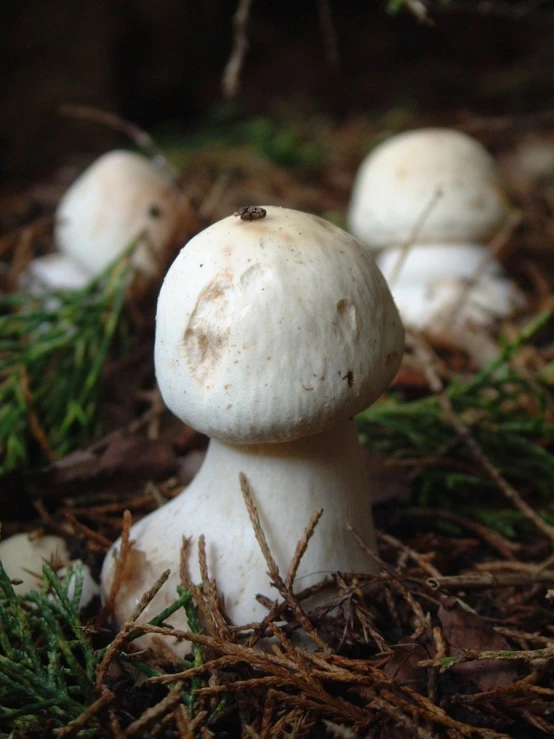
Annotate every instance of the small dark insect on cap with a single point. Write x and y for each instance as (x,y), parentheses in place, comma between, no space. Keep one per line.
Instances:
(250,213)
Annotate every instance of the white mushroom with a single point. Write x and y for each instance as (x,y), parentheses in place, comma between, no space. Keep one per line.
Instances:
(23,558)
(52,272)
(439,192)
(120,198)
(271,335)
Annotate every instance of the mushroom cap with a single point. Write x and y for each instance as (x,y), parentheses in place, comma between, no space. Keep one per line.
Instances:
(52,272)
(274,329)
(437,181)
(23,558)
(120,197)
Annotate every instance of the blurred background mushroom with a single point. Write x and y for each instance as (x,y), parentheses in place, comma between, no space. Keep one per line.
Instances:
(429,200)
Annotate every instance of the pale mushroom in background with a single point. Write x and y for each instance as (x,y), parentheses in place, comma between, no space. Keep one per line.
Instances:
(23,557)
(430,199)
(121,198)
(271,335)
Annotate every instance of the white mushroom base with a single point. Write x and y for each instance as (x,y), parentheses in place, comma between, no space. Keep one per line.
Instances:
(431,288)
(289,482)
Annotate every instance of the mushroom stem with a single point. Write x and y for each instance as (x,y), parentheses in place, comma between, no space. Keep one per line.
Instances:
(289,482)
(452,292)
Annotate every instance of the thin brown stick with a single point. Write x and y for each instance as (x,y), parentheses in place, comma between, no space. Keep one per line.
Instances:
(126,630)
(396,580)
(426,709)
(74,726)
(149,596)
(412,238)
(419,559)
(486,580)
(34,421)
(492,538)
(233,68)
(209,592)
(182,722)
(155,713)
(493,248)
(115,725)
(526,655)
(137,135)
(89,533)
(426,356)
(400,718)
(301,548)
(525,684)
(119,569)
(329,34)
(276,578)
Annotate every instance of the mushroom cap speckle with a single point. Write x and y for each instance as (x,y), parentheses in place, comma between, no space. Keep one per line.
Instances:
(274,329)
(397,186)
(120,197)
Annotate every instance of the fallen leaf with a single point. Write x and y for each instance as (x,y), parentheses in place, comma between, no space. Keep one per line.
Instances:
(403,666)
(465,630)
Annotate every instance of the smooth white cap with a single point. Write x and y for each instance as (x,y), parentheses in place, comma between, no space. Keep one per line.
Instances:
(120,197)
(398,182)
(274,329)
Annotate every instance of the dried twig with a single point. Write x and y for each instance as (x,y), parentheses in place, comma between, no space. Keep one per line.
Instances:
(276,578)
(497,243)
(426,356)
(329,34)
(119,569)
(412,238)
(527,655)
(137,135)
(231,74)
(396,580)
(155,713)
(486,580)
(420,559)
(301,548)
(492,538)
(74,726)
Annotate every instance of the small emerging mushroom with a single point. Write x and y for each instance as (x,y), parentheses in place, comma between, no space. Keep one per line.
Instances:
(431,199)
(120,198)
(23,558)
(271,335)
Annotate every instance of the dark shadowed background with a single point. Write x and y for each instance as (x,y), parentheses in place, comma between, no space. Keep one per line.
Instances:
(159,61)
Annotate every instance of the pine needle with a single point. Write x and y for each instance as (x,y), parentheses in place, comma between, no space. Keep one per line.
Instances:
(510,420)
(52,354)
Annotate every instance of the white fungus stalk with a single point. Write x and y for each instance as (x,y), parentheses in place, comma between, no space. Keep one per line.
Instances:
(271,335)
(430,199)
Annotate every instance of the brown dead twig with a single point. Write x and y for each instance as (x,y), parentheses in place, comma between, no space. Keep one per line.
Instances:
(233,68)
(124,551)
(134,133)
(493,249)
(427,358)
(274,573)
(396,581)
(495,540)
(486,580)
(74,726)
(527,655)
(231,74)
